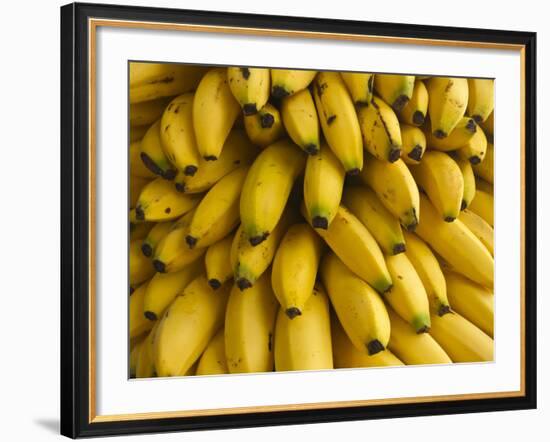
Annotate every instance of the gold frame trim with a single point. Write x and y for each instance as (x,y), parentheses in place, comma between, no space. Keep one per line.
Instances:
(93,24)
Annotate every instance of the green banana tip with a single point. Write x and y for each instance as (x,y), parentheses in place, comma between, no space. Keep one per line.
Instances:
(374,346)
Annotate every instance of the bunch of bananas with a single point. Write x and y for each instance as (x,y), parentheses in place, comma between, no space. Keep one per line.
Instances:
(298,220)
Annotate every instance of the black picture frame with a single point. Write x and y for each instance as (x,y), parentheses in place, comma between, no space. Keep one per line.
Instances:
(75,195)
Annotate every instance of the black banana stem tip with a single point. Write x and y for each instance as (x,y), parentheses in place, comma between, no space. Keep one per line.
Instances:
(191,241)
(150,164)
(279,92)
(319,222)
(388,289)
(170,174)
(159,266)
(475,160)
(140,215)
(353,172)
(463,205)
(267,120)
(399,248)
(449,219)
(395,154)
(400,103)
(243,284)
(311,149)
(146,249)
(180,187)
(210,158)
(214,283)
(374,346)
(189,171)
(362,103)
(424,329)
(258,239)
(477,118)
(150,315)
(292,312)
(440,134)
(443,310)
(418,118)
(250,109)
(471,125)
(416,153)
(131,290)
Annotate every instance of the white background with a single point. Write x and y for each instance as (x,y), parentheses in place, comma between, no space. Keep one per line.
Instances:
(29,191)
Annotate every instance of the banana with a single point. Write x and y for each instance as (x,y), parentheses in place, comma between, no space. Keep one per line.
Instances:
(396,90)
(480,228)
(359,308)
(178,136)
(162,80)
(463,132)
(485,169)
(188,325)
(413,144)
(159,231)
(267,187)
(214,112)
(472,301)
(300,120)
(396,189)
(160,201)
(408,296)
(380,130)
(461,339)
(218,212)
(164,287)
(136,186)
(345,354)
(249,326)
(305,343)
(250,262)
(289,81)
(484,186)
(250,87)
(385,228)
(413,348)
(338,120)
(218,262)
(323,186)
(172,253)
(137,167)
(132,217)
(481,100)
(469,181)
(265,127)
(237,151)
(140,230)
(137,132)
(414,112)
(488,125)
(360,86)
(475,149)
(456,244)
(430,273)
(145,364)
(140,268)
(483,205)
(135,348)
(152,154)
(295,268)
(213,359)
(137,323)
(441,178)
(448,98)
(147,112)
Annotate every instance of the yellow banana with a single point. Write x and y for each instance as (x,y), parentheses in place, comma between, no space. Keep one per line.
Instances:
(483,205)
(472,301)
(289,81)
(140,230)
(300,120)
(249,326)
(160,201)
(267,187)
(396,188)
(408,296)
(430,273)
(140,268)
(213,359)
(413,348)
(214,112)
(488,124)
(135,348)
(137,132)
(147,112)
(463,132)
(137,167)
(153,156)
(338,120)
(250,87)
(485,169)
(380,130)
(481,98)
(360,309)
(218,262)
(484,186)
(188,325)
(441,178)
(360,86)
(414,112)
(461,339)
(469,181)
(413,144)
(456,244)
(396,90)
(480,228)
(323,186)
(137,323)
(159,231)
(475,149)
(385,228)
(145,364)
(265,127)
(305,343)
(448,98)
(136,186)
(295,268)
(218,212)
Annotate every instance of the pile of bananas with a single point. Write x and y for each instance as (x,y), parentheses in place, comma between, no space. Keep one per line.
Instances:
(298,220)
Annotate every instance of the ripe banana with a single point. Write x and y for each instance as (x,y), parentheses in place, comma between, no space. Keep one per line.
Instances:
(152,154)
(137,167)
(295,268)
(159,231)
(267,187)
(461,339)
(484,186)
(448,98)
(479,228)
(250,87)
(249,326)
(408,296)
(135,348)
(456,244)
(145,364)
(137,133)
(481,98)
(475,149)
(441,178)
(214,112)
(140,230)
(489,124)
(360,86)
(360,309)
(147,112)
(289,81)
(414,112)
(323,186)
(140,268)
(300,120)
(218,262)
(265,127)
(413,144)
(213,359)
(136,186)
(385,228)
(380,130)
(396,188)
(485,169)
(396,90)
(469,181)
(188,325)
(483,205)
(137,323)
(338,120)
(305,343)
(463,132)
